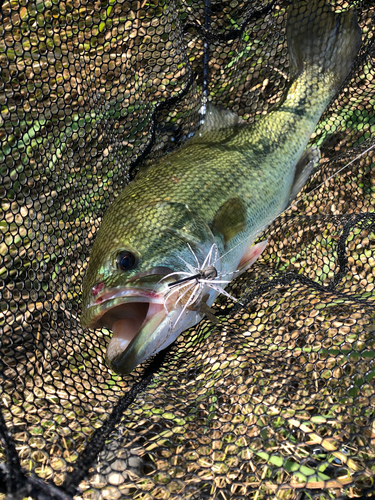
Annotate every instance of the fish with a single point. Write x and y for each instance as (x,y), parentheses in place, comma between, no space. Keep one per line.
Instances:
(187,225)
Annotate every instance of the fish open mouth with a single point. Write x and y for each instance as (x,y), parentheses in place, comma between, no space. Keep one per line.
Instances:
(127,320)
(133,315)
(138,318)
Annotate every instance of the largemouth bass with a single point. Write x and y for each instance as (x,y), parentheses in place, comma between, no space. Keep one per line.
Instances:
(198,211)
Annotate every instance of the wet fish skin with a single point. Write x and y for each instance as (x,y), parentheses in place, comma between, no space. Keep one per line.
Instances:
(222,187)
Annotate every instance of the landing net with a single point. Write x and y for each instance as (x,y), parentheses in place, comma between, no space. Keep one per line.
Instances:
(275,401)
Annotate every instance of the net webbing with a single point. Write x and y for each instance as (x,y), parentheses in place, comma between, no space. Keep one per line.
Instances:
(276,398)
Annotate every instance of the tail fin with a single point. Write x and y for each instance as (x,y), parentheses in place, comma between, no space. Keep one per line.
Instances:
(321,39)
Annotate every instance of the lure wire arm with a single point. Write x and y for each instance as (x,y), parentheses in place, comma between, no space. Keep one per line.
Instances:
(182,280)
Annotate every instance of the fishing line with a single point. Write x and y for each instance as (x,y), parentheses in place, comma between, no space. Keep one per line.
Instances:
(296,203)
(206,48)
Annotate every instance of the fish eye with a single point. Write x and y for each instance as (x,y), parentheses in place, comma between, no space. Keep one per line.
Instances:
(126,261)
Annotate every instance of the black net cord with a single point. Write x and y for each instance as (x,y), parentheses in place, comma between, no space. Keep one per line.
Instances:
(168,103)
(14,479)
(14,482)
(233,34)
(291,277)
(207,35)
(341,253)
(99,437)
(17,485)
(206,48)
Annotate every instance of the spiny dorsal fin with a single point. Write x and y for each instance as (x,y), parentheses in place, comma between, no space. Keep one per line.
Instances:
(216,119)
(230,219)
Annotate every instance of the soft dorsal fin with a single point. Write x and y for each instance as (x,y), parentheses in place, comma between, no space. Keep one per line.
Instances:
(216,119)
(230,219)
(304,167)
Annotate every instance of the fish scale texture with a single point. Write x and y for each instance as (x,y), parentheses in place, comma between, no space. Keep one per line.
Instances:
(277,399)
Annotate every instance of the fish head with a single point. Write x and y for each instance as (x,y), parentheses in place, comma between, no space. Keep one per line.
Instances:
(134,258)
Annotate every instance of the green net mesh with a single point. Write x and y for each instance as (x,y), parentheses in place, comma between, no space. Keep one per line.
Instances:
(277,400)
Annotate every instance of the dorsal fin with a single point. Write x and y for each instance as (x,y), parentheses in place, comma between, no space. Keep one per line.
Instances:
(216,119)
(309,159)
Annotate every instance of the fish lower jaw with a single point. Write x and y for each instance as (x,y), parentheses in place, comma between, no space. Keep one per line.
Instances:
(130,346)
(143,328)
(128,320)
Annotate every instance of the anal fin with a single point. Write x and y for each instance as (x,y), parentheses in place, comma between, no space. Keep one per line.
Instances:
(304,167)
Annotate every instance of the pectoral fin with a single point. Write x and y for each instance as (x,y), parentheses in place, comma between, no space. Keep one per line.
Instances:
(304,167)
(230,219)
(250,256)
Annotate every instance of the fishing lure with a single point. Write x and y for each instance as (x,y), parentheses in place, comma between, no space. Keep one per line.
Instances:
(196,280)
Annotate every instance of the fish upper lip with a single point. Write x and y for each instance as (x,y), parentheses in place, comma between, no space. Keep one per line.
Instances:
(128,294)
(134,292)
(157,270)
